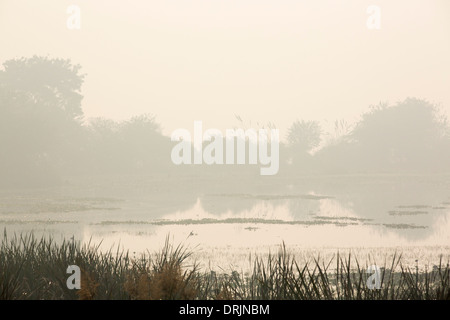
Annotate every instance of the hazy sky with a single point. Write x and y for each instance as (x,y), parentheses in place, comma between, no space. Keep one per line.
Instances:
(265,60)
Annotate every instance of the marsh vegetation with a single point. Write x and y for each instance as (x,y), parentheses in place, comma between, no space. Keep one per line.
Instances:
(32,268)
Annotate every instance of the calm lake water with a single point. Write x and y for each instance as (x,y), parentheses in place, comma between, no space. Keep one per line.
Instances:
(226,219)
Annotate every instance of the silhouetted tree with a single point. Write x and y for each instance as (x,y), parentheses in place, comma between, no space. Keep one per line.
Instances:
(131,146)
(146,148)
(52,83)
(406,134)
(410,135)
(302,137)
(40,117)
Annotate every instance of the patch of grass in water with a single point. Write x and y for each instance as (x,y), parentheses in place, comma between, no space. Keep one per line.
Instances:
(35,221)
(417,206)
(228,221)
(406,213)
(273,197)
(58,205)
(403,226)
(92,200)
(342,218)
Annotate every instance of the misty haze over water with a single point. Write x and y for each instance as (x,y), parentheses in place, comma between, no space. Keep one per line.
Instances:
(381,181)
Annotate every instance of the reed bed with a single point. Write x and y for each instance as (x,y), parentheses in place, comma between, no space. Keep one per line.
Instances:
(32,268)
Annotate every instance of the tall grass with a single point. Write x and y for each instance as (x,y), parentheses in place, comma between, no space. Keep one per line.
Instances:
(33,268)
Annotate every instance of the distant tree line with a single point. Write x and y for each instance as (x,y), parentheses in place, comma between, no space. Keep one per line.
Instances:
(410,136)
(44,135)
